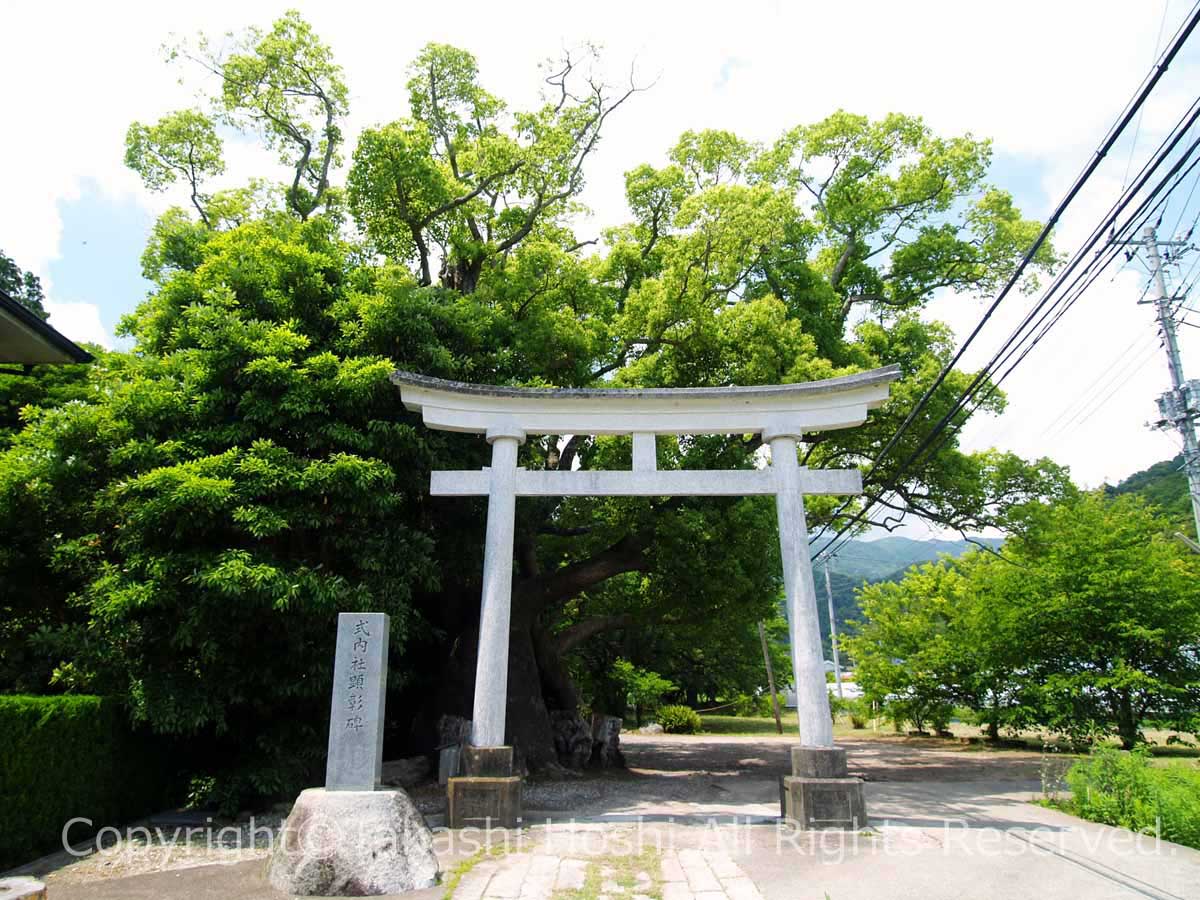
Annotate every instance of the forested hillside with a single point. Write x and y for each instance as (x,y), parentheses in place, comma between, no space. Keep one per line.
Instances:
(1164,484)
(887,559)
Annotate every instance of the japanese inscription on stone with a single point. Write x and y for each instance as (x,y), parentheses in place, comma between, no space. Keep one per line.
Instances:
(356,715)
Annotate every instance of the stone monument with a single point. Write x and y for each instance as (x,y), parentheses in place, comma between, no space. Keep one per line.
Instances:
(352,837)
(782,414)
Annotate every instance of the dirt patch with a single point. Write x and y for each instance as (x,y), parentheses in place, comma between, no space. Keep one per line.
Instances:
(872,759)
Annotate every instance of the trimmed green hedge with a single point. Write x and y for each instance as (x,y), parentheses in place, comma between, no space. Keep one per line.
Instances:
(68,756)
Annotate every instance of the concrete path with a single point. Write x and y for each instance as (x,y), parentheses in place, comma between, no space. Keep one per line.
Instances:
(697,820)
(926,841)
(685,874)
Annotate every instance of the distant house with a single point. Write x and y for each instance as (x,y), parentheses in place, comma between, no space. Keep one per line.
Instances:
(850,688)
(26,340)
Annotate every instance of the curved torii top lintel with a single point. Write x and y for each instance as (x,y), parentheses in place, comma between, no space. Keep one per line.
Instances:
(808,406)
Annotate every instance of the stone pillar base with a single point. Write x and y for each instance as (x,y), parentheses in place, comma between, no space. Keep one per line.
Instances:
(824,802)
(487,794)
(487,762)
(819,793)
(818,762)
(353,843)
(484,801)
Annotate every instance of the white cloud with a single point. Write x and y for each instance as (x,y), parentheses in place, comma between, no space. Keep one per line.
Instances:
(79,322)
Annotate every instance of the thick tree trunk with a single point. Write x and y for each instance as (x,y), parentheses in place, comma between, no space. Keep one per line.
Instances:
(558,689)
(538,681)
(1127,724)
(462,275)
(527,725)
(527,717)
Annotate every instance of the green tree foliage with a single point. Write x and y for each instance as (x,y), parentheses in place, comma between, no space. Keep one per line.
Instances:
(938,639)
(246,475)
(1115,602)
(186,537)
(644,690)
(1165,486)
(1091,626)
(181,144)
(285,85)
(905,653)
(24,287)
(24,392)
(454,178)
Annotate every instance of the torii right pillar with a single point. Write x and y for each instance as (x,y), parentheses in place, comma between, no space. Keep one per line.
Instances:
(819,793)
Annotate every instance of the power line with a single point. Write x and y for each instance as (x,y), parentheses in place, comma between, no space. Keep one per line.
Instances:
(1137,128)
(1099,261)
(1088,275)
(1183,209)
(1117,368)
(1141,364)
(1131,109)
(1077,287)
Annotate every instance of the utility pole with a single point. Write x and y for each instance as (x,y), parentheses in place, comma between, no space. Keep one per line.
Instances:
(1180,405)
(762,636)
(837,663)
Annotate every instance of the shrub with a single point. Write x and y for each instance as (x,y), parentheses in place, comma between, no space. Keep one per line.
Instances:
(1120,788)
(920,711)
(754,705)
(679,720)
(643,689)
(66,757)
(860,712)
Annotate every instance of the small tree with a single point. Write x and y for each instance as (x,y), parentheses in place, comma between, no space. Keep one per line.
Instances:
(644,689)
(24,287)
(906,648)
(1108,610)
(1092,625)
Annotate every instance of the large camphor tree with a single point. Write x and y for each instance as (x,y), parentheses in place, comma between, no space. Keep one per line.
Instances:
(250,471)
(742,265)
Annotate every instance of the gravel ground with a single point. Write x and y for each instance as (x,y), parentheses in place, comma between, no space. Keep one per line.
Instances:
(160,848)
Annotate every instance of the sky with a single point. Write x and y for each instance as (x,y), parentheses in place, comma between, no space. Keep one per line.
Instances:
(1044,80)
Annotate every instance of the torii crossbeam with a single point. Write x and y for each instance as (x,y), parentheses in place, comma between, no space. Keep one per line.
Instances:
(783,414)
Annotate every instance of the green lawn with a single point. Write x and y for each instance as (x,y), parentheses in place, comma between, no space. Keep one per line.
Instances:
(750,725)
(753,725)
(715,724)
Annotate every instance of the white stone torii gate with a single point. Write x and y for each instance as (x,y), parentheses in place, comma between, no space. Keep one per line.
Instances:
(781,413)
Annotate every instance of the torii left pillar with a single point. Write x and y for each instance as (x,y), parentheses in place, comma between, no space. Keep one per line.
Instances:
(808,660)
(488,792)
(820,792)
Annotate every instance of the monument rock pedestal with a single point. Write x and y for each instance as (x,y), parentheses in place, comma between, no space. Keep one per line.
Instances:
(22,888)
(488,793)
(353,843)
(820,792)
